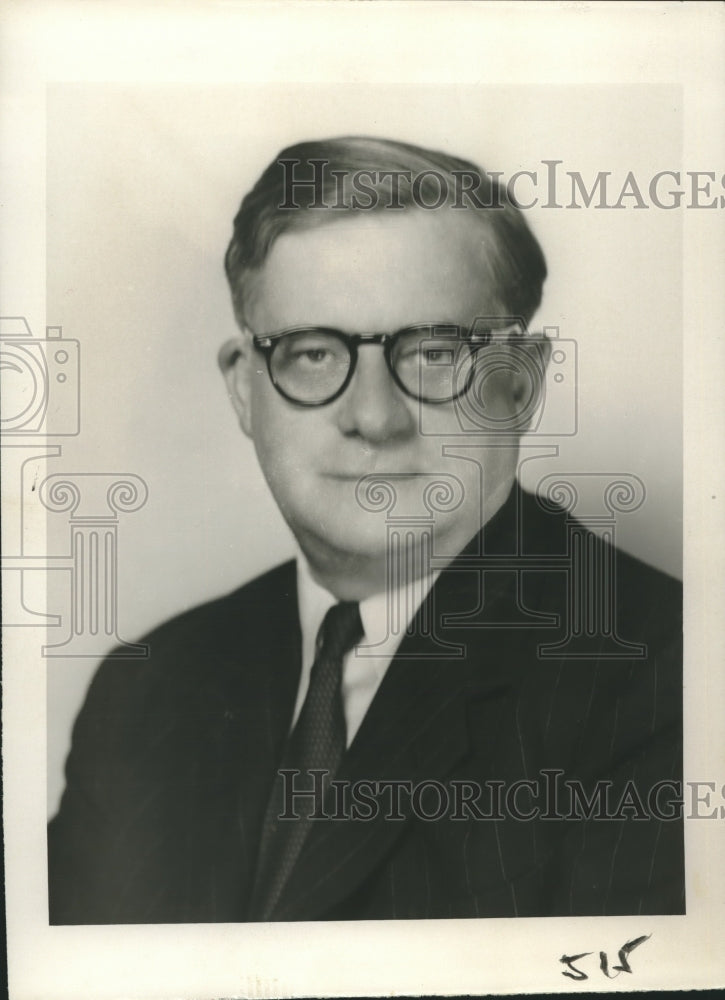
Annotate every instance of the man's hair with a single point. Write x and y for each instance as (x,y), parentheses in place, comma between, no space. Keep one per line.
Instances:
(314,183)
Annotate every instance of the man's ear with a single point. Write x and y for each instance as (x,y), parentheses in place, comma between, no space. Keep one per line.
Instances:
(236,362)
(528,382)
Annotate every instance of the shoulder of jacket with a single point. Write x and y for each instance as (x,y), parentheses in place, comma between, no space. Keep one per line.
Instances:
(206,633)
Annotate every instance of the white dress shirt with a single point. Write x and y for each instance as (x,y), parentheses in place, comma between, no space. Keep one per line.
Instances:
(385,617)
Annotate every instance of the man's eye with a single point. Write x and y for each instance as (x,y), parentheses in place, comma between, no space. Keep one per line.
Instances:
(411,352)
(439,357)
(312,354)
(422,355)
(309,352)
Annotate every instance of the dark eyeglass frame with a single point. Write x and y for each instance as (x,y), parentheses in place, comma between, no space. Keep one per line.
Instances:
(352,341)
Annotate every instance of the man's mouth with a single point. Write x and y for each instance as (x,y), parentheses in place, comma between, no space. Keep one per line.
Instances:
(355,477)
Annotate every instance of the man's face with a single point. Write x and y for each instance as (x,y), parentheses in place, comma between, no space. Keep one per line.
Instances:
(370,274)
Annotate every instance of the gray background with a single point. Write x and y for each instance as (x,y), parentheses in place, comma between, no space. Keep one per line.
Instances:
(142,185)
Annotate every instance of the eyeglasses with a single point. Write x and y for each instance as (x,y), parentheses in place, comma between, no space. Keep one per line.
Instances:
(430,362)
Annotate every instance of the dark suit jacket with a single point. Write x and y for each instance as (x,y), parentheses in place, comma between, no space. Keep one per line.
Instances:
(173,757)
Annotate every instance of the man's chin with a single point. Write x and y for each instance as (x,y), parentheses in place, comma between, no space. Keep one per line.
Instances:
(344,539)
(364,546)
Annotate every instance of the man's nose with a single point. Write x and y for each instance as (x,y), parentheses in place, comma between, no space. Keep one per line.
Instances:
(373,406)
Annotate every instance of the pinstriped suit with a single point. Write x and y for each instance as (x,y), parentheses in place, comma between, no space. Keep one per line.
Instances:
(173,758)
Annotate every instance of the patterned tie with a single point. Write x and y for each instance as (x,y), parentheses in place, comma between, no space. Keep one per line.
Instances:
(317,742)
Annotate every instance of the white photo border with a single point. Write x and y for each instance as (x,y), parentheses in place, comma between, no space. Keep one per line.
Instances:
(326,42)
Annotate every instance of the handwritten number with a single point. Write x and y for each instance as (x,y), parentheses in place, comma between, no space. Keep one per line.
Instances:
(575,973)
(627,948)
(624,952)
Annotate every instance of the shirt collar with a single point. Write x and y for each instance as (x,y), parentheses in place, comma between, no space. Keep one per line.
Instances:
(385,616)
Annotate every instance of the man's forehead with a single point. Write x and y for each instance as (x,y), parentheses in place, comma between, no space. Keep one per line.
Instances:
(383,269)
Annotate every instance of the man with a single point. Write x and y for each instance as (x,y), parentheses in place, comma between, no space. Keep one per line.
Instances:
(368,732)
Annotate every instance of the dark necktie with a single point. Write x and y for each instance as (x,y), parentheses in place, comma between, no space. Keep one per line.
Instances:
(317,741)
